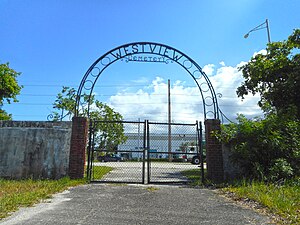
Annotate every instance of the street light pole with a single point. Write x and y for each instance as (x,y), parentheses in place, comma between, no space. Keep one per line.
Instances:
(268,30)
(169,123)
(264,25)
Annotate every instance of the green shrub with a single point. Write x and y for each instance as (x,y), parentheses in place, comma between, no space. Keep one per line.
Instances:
(266,149)
(281,169)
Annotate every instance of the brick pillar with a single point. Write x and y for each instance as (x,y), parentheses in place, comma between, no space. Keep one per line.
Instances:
(214,156)
(78,146)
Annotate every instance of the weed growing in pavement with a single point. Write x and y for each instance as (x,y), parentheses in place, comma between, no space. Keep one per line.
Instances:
(152,189)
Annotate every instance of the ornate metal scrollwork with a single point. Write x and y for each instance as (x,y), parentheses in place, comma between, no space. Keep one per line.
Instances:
(154,53)
(52,117)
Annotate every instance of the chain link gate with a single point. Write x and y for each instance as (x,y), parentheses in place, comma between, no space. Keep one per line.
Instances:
(172,149)
(125,159)
(143,152)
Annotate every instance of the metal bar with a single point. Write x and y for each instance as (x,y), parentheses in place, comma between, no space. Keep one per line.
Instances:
(183,124)
(92,155)
(144,153)
(117,121)
(148,152)
(115,182)
(121,151)
(89,152)
(199,131)
(175,153)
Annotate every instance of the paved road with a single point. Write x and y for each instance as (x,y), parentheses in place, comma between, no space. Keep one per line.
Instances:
(160,171)
(136,204)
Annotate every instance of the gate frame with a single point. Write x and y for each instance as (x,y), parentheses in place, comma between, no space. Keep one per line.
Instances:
(90,147)
(198,126)
(146,159)
(169,54)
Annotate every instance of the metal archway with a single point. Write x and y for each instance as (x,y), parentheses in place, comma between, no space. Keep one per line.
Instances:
(150,52)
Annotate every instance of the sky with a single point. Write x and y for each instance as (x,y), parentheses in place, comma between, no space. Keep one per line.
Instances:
(53,43)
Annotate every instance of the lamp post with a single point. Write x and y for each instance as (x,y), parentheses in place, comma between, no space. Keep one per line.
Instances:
(259,27)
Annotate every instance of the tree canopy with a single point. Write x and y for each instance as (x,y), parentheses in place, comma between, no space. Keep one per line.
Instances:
(269,148)
(107,135)
(9,88)
(275,76)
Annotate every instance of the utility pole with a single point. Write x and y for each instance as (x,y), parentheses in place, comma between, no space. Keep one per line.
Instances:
(139,148)
(169,123)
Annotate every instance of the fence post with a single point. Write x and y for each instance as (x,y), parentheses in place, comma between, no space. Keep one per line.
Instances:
(78,147)
(214,155)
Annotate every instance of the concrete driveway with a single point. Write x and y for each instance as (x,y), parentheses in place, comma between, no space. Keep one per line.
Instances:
(136,204)
(159,171)
(131,172)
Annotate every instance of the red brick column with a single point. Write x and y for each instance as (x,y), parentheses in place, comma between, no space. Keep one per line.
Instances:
(214,156)
(78,146)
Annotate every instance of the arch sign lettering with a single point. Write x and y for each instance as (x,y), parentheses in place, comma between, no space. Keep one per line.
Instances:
(150,52)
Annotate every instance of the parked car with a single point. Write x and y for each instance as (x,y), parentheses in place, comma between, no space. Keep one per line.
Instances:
(109,158)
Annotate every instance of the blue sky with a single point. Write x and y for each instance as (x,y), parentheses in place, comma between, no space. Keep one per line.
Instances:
(53,43)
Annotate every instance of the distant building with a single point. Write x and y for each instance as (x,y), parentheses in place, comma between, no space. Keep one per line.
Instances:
(158,144)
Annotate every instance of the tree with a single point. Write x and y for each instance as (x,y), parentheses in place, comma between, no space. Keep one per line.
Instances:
(275,76)
(107,135)
(9,88)
(269,148)
(65,103)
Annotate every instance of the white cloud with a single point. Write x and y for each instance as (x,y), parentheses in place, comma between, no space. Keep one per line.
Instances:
(263,52)
(240,64)
(226,81)
(222,63)
(208,69)
(151,101)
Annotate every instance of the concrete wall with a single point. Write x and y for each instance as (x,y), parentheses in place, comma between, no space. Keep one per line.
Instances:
(231,170)
(34,149)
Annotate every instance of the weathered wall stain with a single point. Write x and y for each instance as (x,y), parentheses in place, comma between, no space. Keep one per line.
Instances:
(30,149)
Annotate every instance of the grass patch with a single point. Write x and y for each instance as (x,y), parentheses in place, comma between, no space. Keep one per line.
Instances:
(23,193)
(283,200)
(194,175)
(100,171)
